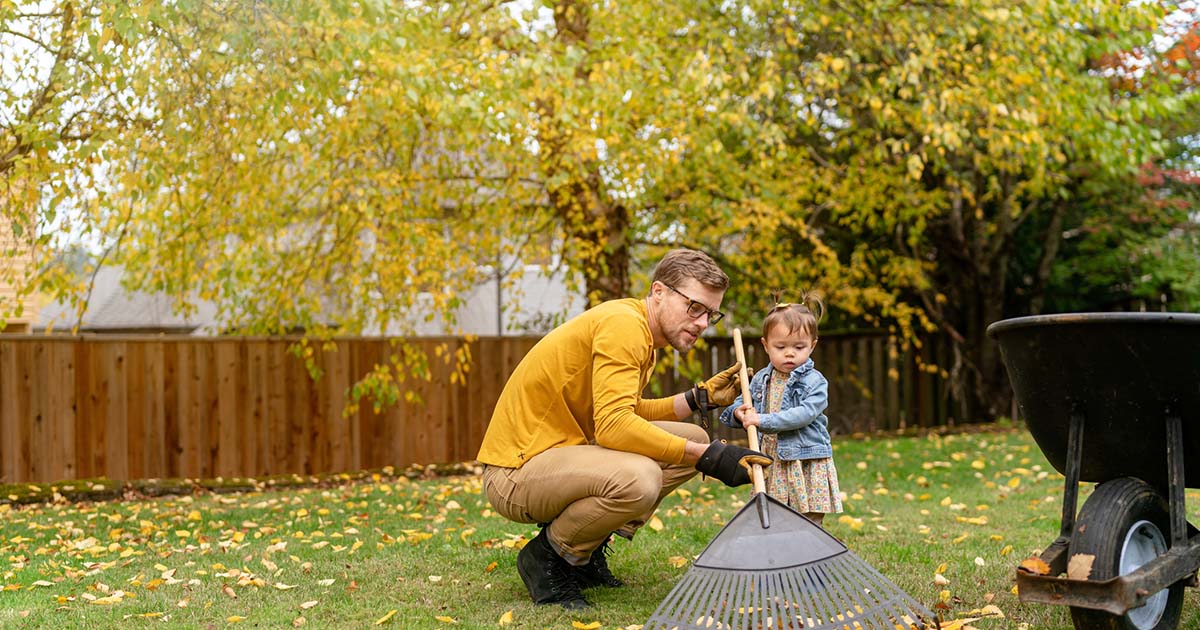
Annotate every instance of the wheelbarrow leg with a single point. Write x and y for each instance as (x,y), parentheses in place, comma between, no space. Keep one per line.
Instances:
(1071,489)
(1175,480)
(1055,555)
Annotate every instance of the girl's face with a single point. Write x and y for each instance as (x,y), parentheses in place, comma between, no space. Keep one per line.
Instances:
(788,350)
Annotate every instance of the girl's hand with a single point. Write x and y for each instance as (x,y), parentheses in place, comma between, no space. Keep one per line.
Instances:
(747,415)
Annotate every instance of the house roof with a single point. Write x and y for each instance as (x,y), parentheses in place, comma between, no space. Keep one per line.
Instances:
(112,308)
(537,301)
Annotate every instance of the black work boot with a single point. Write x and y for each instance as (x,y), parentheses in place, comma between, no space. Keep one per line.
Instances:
(596,572)
(547,576)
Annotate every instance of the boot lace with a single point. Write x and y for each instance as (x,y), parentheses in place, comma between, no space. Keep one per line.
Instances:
(562,583)
(600,562)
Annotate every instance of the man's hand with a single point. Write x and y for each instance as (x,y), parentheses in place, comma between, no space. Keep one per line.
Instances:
(718,391)
(731,464)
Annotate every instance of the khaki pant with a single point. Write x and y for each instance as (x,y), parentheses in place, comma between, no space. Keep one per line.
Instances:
(587,492)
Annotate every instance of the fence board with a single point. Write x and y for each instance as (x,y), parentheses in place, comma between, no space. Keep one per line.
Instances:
(172,406)
(13,465)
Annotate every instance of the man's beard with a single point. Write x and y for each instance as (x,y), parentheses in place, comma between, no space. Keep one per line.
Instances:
(683,341)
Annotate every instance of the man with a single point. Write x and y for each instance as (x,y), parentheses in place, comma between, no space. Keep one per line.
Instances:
(573,445)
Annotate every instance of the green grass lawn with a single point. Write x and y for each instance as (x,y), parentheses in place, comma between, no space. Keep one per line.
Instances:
(431,554)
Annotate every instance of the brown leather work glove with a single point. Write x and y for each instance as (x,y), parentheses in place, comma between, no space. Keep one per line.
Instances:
(718,391)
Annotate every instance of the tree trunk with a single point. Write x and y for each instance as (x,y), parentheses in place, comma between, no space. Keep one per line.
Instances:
(1050,245)
(598,234)
(597,229)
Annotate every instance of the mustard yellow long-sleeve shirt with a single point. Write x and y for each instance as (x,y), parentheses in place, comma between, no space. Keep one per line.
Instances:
(583,382)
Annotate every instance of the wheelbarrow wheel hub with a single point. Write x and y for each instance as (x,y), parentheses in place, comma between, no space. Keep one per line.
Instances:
(1143,543)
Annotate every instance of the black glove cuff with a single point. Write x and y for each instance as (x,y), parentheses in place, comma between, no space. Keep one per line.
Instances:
(690,397)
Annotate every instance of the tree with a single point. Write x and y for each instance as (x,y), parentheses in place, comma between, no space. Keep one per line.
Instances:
(62,98)
(902,155)
(346,166)
(1138,240)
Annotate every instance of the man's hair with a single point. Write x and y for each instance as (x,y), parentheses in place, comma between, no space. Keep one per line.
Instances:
(680,264)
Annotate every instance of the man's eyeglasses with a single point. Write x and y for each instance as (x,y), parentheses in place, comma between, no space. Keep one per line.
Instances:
(696,309)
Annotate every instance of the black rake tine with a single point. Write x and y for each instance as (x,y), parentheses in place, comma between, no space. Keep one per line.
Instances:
(889,592)
(792,594)
(858,581)
(748,600)
(706,598)
(775,589)
(863,591)
(837,589)
(803,605)
(820,597)
(691,589)
(728,582)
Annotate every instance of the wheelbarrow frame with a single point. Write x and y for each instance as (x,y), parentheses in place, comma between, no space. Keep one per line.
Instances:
(1048,393)
(1120,594)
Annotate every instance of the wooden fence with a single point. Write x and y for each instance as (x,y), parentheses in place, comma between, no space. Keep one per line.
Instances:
(174,406)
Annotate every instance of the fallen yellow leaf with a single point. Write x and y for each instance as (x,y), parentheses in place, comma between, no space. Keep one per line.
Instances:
(382,620)
(506,618)
(677,561)
(1035,565)
(1079,567)
(991,610)
(235,619)
(579,625)
(853,522)
(656,524)
(445,619)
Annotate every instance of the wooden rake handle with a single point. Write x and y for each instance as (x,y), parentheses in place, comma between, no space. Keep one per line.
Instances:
(752,432)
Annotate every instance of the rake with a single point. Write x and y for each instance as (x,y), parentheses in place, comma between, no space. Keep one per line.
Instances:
(772,568)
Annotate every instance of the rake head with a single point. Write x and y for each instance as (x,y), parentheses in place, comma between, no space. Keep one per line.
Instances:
(789,575)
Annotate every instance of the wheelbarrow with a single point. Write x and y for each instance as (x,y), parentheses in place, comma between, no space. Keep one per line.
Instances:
(1114,399)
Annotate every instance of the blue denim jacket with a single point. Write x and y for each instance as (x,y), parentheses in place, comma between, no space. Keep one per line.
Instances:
(802,428)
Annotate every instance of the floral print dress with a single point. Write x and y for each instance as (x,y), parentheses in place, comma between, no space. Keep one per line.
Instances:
(806,485)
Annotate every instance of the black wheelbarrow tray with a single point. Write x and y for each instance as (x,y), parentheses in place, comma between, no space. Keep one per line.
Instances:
(1114,399)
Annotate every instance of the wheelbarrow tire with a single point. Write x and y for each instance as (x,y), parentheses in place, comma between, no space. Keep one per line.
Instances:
(1102,529)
